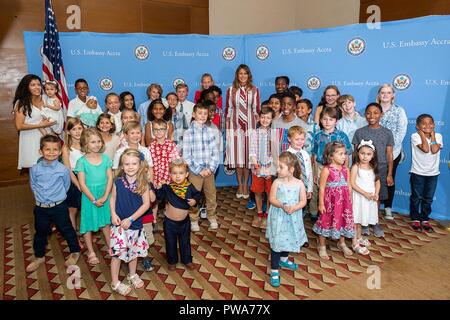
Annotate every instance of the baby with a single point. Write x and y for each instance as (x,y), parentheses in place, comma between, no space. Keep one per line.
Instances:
(90,112)
(52,109)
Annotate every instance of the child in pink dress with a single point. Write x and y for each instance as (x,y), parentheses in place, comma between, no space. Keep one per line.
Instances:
(335,205)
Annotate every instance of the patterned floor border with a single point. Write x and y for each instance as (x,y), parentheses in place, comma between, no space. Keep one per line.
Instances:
(233,263)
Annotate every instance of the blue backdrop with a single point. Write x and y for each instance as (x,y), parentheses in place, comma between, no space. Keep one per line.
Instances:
(411,54)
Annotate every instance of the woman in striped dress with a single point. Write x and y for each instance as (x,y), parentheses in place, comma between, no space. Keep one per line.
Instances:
(241,112)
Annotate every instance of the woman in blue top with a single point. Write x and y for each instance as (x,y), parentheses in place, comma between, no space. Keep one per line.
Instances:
(394,118)
(130,199)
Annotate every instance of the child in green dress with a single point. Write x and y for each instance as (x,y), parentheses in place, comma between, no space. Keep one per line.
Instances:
(95,178)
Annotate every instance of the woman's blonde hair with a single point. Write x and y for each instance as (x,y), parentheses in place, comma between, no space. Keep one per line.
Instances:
(385,85)
(71,122)
(141,180)
(84,141)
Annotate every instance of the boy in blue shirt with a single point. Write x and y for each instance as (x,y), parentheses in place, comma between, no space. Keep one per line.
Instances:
(50,181)
(328,119)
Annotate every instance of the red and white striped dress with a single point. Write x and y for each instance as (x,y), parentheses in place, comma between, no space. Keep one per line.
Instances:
(241,109)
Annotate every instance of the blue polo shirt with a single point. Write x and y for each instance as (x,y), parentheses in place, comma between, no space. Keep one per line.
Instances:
(49,181)
(321,139)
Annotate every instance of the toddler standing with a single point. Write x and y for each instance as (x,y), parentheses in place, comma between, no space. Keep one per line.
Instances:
(365,183)
(335,205)
(285,229)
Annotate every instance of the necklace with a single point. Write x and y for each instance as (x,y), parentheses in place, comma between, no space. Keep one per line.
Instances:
(130,186)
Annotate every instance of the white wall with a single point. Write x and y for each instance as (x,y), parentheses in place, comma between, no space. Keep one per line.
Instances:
(264,16)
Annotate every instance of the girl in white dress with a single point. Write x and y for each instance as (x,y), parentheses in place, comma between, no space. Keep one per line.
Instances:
(28,105)
(52,110)
(366,187)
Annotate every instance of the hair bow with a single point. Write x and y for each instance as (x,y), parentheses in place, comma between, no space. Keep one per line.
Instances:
(141,156)
(366,143)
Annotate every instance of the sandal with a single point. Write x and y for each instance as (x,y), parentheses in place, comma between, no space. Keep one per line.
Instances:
(256,222)
(363,241)
(135,281)
(345,249)
(275,279)
(323,252)
(92,259)
(121,288)
(361,250)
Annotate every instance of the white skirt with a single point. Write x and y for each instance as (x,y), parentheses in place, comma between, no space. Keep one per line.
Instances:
(365,212)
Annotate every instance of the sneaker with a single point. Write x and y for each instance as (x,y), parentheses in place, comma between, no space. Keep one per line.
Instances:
(427,226)
(251,204)
(415,225)
(213,225)
(202,212)
(275,279)
(388,214)
(147,264)
(365,231)
(288,264)
(194,226)
(378,231)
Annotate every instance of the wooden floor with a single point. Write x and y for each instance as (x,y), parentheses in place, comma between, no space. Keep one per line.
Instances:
(233,263)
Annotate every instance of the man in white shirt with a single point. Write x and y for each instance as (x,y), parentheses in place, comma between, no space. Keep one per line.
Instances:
(82,91)
(184,106)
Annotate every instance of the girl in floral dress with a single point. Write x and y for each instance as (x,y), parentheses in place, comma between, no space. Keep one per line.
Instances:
(130,199)
(335,206)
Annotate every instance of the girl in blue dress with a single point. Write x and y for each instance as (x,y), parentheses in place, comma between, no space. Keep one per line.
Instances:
(285,229)
(130,199)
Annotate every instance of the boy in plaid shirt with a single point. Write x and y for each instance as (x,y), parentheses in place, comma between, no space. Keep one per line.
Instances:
(200,151)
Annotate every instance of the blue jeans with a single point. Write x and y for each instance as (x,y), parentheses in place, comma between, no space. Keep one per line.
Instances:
(422,193)
(174,232)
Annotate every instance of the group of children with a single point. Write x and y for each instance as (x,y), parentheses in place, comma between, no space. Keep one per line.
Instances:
(117,166)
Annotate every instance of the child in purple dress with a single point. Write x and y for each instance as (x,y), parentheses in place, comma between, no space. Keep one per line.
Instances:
(335,206)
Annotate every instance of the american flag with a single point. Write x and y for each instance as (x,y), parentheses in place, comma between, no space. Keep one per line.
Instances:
(52,63)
